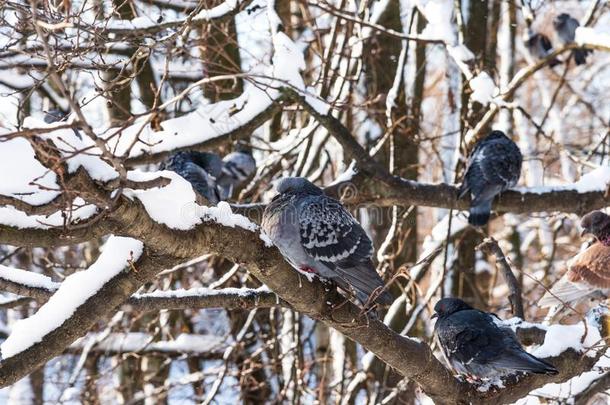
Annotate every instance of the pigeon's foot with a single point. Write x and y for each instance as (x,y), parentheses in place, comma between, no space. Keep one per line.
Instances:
(308,270)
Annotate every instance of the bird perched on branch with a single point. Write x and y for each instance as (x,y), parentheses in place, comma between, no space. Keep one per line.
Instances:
(317,235)
(589,271)
(494,165)
(539,46)
(477,345)
(565,26)
(200,169)
(237,168)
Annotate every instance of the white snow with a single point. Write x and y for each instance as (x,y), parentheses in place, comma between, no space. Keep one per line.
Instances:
(139,341)
(597,179)
(585,35)
(72,293)
(483,88)
(27,278)
(439,14)
(175,204)
(22,176)
(201,292)
(13,217)
(560,338)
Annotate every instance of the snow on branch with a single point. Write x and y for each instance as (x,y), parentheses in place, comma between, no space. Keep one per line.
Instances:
(118,254)
(208,346)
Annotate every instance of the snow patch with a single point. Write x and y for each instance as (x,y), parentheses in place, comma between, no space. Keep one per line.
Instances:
(27,278)
(560,338)
(72,293)
(585,35)
(483,88)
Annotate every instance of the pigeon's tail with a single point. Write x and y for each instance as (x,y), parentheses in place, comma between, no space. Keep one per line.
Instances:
(479,213)
(363,278)
(520,360)
(535,365)
(562,292)
(580,56)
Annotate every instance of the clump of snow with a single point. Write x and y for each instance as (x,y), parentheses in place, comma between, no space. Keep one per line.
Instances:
(175,206)
(27,278)
(460,53)
(483,88)
(22,176)
(13,217)
(439,14)
(265,238)
(347,175)
(223,215)
(596,180)
(201,292)
(560,338)
(585,35)
(139,341)
(72,293)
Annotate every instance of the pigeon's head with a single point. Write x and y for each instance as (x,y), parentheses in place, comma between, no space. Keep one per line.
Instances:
(561,19)
(595,223)
(495,134)
(297,185)
(448,306)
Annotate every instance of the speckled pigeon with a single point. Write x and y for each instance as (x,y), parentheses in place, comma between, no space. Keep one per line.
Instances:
(479,346)
(493,167)
(200,169)
(539,46)
(316,234)
(237,167)
(589,271)
(565,26)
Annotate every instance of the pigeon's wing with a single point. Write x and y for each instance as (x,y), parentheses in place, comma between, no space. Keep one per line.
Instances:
(466,335)
(472,172)
(329,234)
(565,292)
(210,162)
(500,163)
(592,267)
(545,42)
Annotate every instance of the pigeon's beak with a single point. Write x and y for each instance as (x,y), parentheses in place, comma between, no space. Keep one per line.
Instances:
(434,316)
(584,232)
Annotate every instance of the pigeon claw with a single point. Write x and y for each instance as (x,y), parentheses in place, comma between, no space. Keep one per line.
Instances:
(308,270)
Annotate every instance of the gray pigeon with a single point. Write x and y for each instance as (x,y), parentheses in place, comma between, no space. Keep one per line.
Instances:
(200,169)
(477,344)
(566,26)
(316,234)
(237,167)
(493,167)
(540,46)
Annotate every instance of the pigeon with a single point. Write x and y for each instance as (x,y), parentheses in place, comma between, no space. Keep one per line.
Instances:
(200,169)
(494,166)
(479,346)
(588,272)
(237,168)
(317,235)
(565,26)
(540,46)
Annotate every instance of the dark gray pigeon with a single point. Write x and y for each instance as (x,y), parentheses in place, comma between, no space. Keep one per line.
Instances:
(494,165)
(200,169)
(540,46)
(316,234)
(237,168)
(566,26)
(477,345)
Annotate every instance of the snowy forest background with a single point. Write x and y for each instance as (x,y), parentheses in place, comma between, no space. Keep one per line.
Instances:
(379,101)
